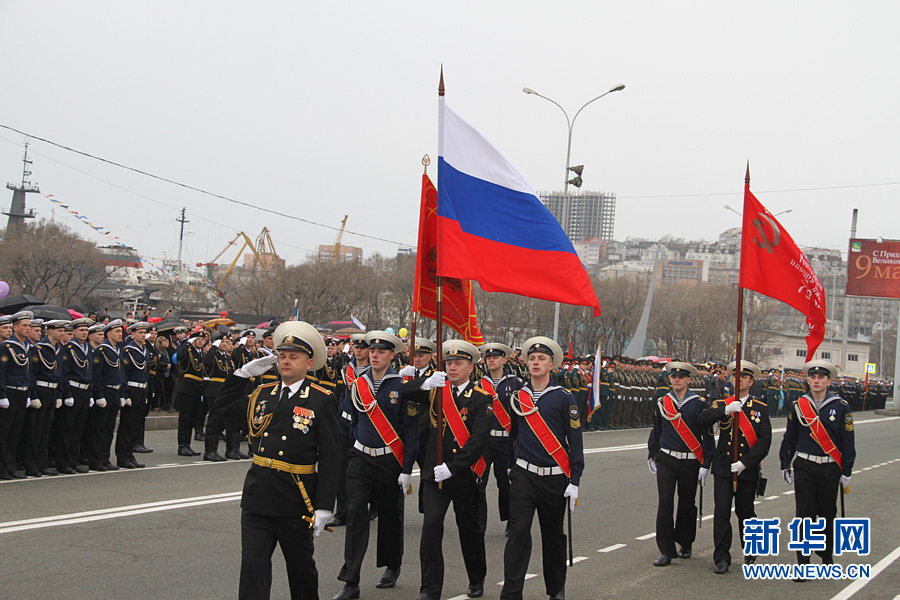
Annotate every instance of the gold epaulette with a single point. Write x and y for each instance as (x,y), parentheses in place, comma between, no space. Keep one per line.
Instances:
(478,388)
(323,382)
(265,385)
(320,388)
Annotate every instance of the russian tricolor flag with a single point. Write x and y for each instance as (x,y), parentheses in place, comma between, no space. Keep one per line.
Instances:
(493,228)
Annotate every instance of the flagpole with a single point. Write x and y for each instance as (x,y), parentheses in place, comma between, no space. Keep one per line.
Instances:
(735,429)
(438,396)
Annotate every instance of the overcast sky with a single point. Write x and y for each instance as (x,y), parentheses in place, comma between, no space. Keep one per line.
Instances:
(323,109)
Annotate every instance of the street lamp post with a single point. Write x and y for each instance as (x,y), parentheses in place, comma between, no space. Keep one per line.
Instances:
(570,123)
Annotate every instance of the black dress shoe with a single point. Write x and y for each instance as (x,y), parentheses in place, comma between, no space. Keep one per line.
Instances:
(336,522)
(136,464)
(5,476)
(81,469)
(721,568)
(684,553)
(749,559)
(33,473)
(17,475)
(142,449)
(389,579)
(98,467)
(187,451)
(67,471)
(49,472)
(127,464)
(213,457)
(663,560)
(111,467)
(560,595)
(476,590)
(199,437)
(242,455)
(350,591)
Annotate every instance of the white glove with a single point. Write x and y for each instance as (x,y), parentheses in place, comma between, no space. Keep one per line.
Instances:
(257,367)
(35,403)
(437,379)
(702,475)
(101,402)
(404,481)
(59,403)
(788,476)
(652,464)
(4,402)
(845,480)
(442,472)
(69,402)
(91,402)
(322,518)
(127,401)
(408,371)
(572,494)
(737,467)
(733,407)
(121,402)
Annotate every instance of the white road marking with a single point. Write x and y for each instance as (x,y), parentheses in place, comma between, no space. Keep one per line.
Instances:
(527,577)
(116,512)
(646,537)
(772,497)
(578,559)
(861,583)
(611,548)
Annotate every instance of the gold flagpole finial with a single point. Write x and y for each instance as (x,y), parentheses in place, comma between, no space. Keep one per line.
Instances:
(426,160)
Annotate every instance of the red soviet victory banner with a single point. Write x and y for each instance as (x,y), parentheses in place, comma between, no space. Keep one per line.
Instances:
(773,265)
(457,294)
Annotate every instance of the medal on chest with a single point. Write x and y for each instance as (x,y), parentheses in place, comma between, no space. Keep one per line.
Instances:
(303,418)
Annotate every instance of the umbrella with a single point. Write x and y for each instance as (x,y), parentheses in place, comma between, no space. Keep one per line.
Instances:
(49,311)
(75,314)
(263,325)
(167,325)
(212,323)
(154,319)
(84,309)
(13,304)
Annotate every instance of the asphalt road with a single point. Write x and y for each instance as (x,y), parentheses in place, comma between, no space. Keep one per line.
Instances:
(172,531)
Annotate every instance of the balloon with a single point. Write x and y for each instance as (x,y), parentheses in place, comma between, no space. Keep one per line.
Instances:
(4,289)
(390,330)
(403,332)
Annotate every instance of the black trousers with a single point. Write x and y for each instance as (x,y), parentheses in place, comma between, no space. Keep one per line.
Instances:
(529,492)
(12,421)
(672,473)
(130,423)
(38,427)
(464,496)
(496,455)
(259,534)
(101,426)
(75,419)
(815,495)
(341,502)
(216,422)
(188,414)
(371,477)
(743,507)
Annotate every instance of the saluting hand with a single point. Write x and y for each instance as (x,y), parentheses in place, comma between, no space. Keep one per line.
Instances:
(257,367)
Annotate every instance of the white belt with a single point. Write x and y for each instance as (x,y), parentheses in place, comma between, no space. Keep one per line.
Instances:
(346,415)
(372,451)
(542,471)
(499,433)
(18,389)
(137,384)
(679,455)
(48,384)
(114,387)
(816,459)
(79,386)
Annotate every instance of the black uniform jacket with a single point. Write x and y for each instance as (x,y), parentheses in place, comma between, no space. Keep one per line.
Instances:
(473,404)
(758,413)
(302,431)
(837,419)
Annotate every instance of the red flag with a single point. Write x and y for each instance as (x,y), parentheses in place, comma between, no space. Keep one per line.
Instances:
(773,265)
(457,294)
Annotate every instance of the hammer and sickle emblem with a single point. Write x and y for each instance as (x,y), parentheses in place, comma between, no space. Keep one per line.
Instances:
(762,239)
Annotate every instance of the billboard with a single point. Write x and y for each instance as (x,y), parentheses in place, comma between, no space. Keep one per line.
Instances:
(873,268)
